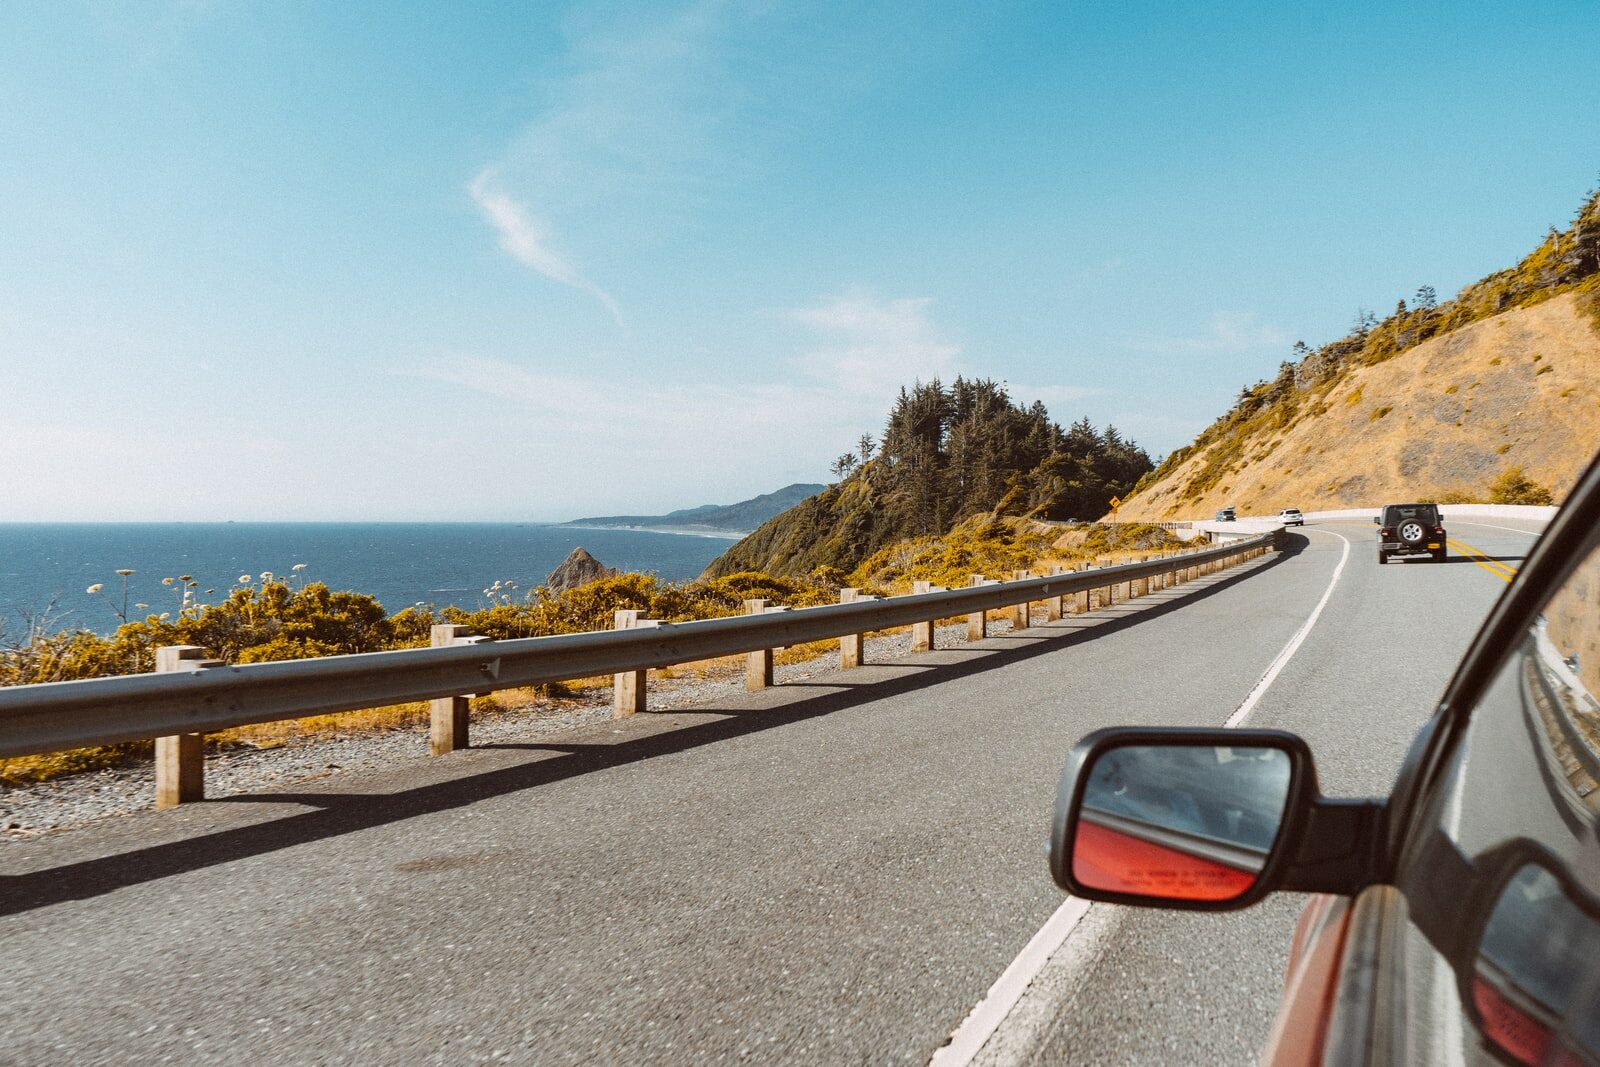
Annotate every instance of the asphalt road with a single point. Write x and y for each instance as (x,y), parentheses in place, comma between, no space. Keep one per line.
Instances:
(1177,987)
(835,870)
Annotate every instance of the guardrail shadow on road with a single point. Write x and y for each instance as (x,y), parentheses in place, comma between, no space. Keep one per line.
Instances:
(338,814)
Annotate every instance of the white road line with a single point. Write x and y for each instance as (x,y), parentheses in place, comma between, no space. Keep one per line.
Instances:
(968,1039)
(1294,642)
(976,1029)
(1492,526)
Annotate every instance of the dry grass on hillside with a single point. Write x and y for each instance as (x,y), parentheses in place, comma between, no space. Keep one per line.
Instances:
(1441,420)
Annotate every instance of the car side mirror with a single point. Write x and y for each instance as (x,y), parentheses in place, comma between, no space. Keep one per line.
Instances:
(1530,982)
(1377,521)
(1203,819)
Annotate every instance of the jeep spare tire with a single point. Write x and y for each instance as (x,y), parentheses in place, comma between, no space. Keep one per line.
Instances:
(1412,532)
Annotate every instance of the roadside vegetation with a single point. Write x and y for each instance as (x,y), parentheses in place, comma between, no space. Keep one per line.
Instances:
(277,618)
(1227,456)
(1512,487)
(948,455)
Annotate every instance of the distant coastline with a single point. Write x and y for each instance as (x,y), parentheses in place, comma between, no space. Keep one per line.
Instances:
(724,522)
(682,531)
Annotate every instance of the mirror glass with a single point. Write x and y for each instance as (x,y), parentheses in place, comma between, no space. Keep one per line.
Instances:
(1532,984)
(1184,822)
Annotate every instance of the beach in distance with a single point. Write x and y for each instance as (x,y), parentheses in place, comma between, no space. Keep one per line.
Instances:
(51,565)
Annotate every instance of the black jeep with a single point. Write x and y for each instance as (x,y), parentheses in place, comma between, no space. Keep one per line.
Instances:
(1410,530)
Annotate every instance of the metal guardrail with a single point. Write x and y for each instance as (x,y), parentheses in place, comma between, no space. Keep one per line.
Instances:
(204,697)
(1580,763)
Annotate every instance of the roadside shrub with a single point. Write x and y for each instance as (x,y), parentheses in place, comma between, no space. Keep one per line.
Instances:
(1514,487)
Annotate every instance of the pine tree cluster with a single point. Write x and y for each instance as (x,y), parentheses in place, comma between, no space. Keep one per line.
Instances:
(946,453)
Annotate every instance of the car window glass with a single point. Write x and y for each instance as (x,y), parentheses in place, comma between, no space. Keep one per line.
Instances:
(1397,513)
(1503,884)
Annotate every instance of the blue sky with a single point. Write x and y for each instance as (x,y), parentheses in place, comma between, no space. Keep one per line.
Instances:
(530,261)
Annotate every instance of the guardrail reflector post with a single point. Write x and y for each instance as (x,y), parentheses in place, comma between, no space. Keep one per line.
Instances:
(922,632)
(1055,606)
(628,688)
(181,758)
(448,717)
(758,664)
(1021,617)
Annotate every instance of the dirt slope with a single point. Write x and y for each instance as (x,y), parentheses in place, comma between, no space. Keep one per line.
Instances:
(1519,389)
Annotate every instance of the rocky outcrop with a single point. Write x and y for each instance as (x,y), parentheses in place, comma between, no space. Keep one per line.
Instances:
(577,569)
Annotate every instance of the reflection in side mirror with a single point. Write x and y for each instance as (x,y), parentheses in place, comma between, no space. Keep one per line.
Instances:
(1534,982)
(1183,818)
(1376,521)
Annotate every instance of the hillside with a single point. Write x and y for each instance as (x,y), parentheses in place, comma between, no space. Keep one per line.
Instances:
(948,453)
(743,516)
(1434,402)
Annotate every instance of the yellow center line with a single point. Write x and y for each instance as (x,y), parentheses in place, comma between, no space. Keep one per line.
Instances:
(1483,559)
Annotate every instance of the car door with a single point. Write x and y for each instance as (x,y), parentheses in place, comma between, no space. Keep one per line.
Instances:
(1493,947)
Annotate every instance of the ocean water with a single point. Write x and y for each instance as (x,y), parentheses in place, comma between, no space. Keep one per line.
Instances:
(50,565)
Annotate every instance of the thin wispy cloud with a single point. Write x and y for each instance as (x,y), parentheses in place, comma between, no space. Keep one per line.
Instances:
(634,131)
(526,239)
(851,354)
(873,346)
(1226,332)
(669,435)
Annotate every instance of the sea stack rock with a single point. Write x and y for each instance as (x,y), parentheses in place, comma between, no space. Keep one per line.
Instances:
(577,569)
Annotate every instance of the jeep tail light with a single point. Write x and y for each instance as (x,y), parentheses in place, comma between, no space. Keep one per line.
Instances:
(1386,532)
(1439,531)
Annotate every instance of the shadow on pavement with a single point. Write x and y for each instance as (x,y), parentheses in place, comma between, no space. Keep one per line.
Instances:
(344,813)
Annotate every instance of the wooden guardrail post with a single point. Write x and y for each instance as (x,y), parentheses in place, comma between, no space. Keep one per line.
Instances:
(628,689)
(181,758)
(922,632)
(1080,603)
(977,621)
(1108,593)
(1055,606)
(448,717)
(1021,614)
(757,664)
(852,647)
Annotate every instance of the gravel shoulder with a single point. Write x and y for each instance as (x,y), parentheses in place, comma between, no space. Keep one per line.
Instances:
(74,801)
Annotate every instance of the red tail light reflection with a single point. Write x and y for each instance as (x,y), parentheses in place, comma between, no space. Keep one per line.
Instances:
(1106,859)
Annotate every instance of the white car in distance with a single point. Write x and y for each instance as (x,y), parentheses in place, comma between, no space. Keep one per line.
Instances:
(1291,517)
